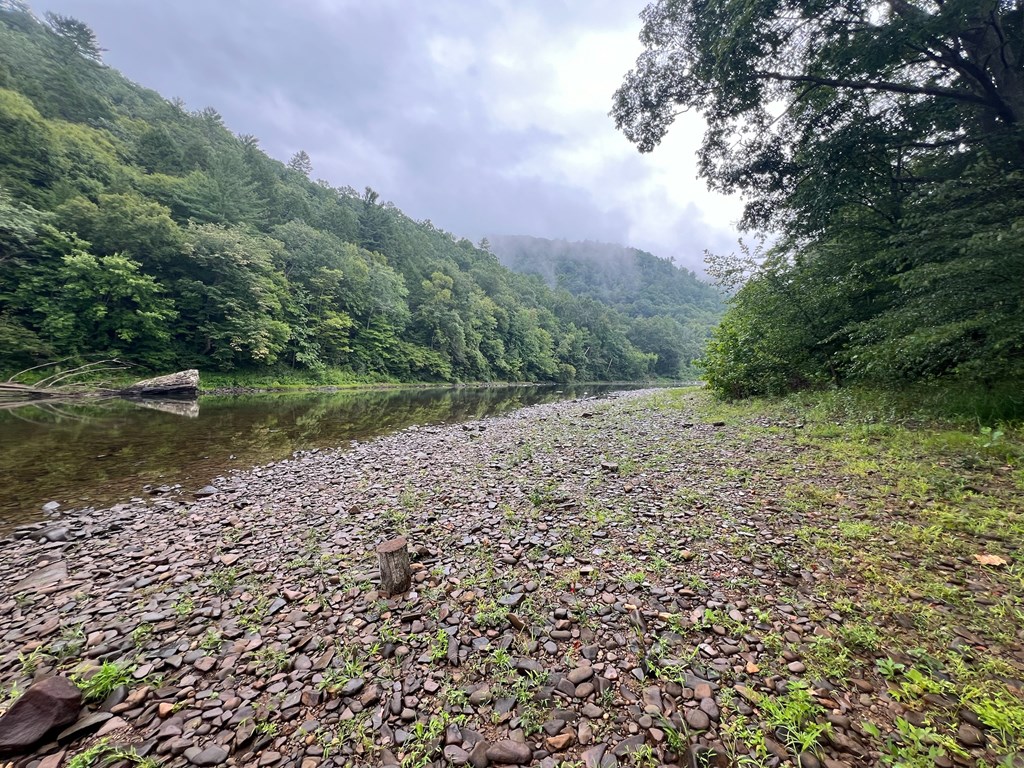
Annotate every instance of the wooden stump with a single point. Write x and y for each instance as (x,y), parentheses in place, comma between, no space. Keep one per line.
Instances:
(395,573)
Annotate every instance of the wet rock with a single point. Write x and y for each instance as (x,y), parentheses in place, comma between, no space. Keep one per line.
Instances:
(456,755)
(47,576)
(83,726)
(560,742)
(353,686)
(55,535)
(709,707)
(580,675)
(597,757)
(628,746)
(970,736)
(697,720)
(211,755)
(511,752)
(478,755)
(45,706)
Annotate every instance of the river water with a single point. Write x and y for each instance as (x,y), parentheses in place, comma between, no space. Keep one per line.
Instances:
(89,456)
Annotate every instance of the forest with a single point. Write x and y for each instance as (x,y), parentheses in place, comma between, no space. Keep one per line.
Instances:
(131,227)
(881,146)
(673,312)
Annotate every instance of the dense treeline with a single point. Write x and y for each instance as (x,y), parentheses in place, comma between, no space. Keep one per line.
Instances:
(132,227)
(883,144)
(672,312)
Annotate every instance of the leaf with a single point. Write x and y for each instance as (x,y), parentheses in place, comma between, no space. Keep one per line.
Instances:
(995,560)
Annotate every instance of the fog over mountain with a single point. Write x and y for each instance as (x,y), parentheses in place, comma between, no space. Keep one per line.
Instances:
(482,117)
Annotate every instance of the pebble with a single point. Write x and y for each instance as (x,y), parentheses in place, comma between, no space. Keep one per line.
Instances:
(255,597)
(511,752)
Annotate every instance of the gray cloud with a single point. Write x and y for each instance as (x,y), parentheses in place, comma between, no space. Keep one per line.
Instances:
(486,117)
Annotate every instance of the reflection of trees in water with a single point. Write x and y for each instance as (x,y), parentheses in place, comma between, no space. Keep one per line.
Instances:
(105,452)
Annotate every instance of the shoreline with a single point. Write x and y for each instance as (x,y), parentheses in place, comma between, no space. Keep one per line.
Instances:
(599,582)
(245,390)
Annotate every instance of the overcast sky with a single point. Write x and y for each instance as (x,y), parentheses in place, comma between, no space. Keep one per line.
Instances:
(484,116)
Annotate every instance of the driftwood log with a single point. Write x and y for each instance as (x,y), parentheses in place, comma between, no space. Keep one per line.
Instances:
(184,384)
(395,571)
(180,384)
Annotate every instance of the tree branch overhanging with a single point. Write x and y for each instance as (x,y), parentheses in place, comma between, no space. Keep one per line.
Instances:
(878,85)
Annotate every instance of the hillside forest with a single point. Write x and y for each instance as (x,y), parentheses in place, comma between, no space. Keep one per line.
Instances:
(131,227)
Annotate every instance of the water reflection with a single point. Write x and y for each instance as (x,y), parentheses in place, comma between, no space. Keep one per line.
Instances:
(88,455)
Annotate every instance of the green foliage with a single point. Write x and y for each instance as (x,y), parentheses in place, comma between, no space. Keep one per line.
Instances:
(894,182)
(131,227)
(425,740)
(914,746)
(99,683)
(439,646)
(489,614)
(1000,711)
(669,311)
(797,717)
(104,753)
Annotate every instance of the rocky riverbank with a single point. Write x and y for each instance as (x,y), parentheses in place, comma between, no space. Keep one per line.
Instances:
(635,581)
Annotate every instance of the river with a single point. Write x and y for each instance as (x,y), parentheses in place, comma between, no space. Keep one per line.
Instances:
(95,455)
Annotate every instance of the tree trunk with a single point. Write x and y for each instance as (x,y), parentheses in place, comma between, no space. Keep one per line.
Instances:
(395,571)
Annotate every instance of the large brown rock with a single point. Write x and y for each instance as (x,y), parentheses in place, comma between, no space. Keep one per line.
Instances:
(44,707)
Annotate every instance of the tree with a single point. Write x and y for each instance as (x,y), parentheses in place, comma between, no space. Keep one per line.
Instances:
(105,302)
(300,162)
(810,104)
(77,35)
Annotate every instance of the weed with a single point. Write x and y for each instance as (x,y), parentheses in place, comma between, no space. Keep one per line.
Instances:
(269,659)
(141,634)
(501,659)
(184,606)
(744,744)
(861,636)
(915,684)
(104,753)
(914,746)
(563,548)
(829,658)
(389,634)
(251,615)
(69,644)
(644,757)
(223,580)
(11,696)
(454,697)
(1000,711)
(104,680)
(439,647)
(266,728)
(889,669)
(797,717)
(30,662)
(397,519)
(425,739)
(490,614)
(678,740)
(212,641)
